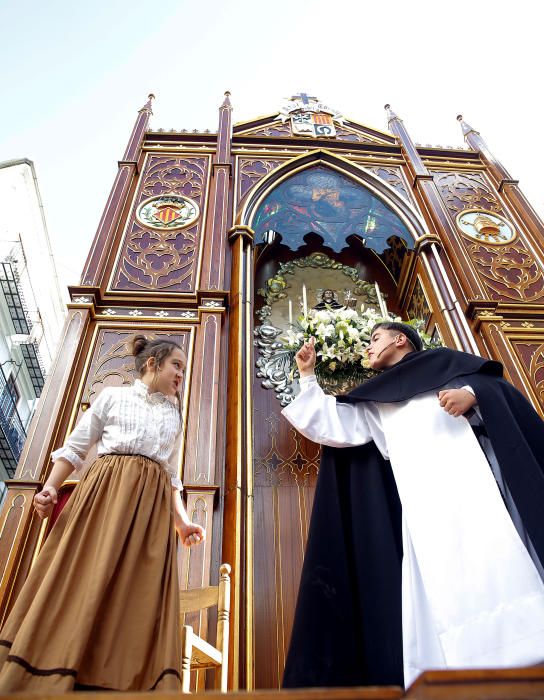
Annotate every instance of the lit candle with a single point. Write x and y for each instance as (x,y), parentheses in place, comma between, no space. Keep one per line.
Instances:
(381,302)
(304,301)
(290,312)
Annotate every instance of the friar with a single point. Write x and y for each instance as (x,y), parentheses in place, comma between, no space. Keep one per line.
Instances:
(426,540)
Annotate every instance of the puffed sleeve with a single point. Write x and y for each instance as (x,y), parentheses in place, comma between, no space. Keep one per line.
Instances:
(321,419)
(87,432)
(173,463)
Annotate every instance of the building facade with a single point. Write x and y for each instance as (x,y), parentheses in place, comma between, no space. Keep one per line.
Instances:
(215,239)
(31,308)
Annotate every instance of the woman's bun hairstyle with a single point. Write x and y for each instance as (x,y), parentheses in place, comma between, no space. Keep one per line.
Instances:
(137,344)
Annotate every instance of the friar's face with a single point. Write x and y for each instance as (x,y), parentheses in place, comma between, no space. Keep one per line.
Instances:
(386,348)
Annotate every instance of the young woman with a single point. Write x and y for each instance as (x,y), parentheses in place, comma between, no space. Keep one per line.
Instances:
(100,607)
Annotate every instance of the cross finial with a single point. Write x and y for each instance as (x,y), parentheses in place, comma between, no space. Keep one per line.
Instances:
(304,98)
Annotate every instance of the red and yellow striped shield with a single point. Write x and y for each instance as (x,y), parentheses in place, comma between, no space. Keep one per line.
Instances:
(167,213)
(322,119)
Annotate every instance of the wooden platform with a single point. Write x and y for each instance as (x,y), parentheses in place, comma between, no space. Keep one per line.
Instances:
(507,684)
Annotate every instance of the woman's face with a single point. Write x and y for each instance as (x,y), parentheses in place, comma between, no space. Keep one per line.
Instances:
(169,376)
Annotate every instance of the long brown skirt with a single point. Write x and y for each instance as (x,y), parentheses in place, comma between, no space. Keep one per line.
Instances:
(100,607)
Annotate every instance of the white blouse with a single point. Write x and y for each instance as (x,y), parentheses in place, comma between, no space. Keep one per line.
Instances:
(128,420)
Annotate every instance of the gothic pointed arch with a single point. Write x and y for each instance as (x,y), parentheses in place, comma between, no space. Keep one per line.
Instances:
(326,194)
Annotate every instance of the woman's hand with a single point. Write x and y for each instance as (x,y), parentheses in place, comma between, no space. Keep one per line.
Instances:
(45,501)
(306,358)
(456,402)
(191,533)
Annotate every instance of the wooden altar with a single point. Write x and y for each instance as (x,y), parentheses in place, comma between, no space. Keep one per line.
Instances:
(182,250)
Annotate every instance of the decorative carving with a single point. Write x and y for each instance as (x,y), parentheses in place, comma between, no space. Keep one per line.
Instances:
(251,170)
(275,468)
(532,356)
(466,191)
(419,307)
(277,129)
(393,256)
(508,269)
(157,259)
(274,363)
(393,177)
(485,228)
(167,212)
(509,272)
(343,134)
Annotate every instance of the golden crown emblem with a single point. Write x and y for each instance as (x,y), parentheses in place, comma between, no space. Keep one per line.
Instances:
(486,226)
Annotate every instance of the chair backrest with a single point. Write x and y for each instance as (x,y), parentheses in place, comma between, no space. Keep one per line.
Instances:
(194,599)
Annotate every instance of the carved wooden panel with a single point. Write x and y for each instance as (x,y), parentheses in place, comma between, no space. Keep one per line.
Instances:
(393,256)
(252,170)
(344,133)
(394,177)
(467,190)
(531,355)
(418,306)
(509,272)
(285,470)
(152,259)
(275,129)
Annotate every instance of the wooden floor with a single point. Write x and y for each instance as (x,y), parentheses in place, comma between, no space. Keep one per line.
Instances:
(507,684)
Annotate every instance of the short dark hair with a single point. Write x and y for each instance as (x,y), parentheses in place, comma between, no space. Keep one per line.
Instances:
(409,331)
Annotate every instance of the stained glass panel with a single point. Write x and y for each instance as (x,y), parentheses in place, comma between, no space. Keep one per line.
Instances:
(323,201)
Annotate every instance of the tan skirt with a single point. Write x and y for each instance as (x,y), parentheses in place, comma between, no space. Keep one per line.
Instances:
(100,607)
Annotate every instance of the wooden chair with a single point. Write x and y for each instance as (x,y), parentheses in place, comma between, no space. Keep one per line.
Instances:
(197,654)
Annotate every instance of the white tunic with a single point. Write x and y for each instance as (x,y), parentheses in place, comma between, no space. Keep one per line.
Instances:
(127,420)
(471,594)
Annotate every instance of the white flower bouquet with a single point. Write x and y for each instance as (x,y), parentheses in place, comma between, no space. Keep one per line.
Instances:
(341,336)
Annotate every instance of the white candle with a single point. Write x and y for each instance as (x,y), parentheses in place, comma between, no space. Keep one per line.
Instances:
(381,302)
(304,301)
(290,312)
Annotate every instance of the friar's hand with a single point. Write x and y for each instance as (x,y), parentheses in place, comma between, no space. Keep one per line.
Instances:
(456,402)
(306,358)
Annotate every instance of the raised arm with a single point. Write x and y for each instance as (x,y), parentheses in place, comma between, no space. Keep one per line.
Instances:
(318,416)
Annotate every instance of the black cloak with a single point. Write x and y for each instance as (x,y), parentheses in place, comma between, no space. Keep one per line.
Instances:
(347,629)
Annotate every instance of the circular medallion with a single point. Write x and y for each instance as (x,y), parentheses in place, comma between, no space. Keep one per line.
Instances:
(167,212)
(485,227)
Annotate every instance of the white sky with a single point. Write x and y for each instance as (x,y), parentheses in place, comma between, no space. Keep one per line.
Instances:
(75,74)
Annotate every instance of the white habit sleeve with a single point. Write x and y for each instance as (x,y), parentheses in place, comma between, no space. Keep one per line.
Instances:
(321,419)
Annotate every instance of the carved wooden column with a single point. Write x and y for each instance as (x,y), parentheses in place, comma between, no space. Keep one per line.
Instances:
(238,515)
(128,169)
(507,186)
(200,477)
(217,224)
(424,183)
(19,526)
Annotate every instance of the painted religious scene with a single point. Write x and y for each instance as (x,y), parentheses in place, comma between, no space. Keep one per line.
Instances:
(239,246)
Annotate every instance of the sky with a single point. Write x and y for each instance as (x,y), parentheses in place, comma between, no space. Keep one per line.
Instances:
(74,75)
